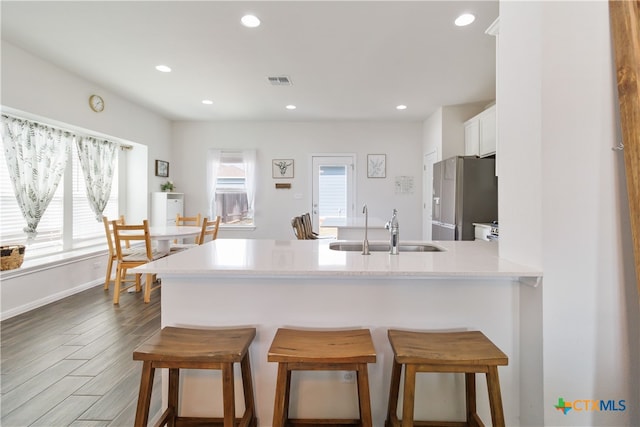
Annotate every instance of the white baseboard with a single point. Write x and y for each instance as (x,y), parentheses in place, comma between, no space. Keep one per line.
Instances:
(49,299)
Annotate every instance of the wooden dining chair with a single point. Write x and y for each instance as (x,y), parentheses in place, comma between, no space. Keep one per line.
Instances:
(113,256)
(298,228)
(133,234)
(308,227)
(209,228)
(194,221)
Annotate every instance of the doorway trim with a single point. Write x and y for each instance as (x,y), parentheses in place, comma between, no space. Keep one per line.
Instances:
(354,158)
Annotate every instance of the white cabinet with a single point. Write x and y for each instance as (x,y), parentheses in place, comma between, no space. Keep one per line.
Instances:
(472,138)
(488,131)
(480,134)
(165,207)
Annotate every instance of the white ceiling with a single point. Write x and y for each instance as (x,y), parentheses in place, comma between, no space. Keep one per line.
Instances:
(348,60)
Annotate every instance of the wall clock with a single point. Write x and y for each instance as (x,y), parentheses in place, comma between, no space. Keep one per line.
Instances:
(96,103)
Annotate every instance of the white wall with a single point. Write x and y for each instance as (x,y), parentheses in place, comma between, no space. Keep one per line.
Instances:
(563,205)
(401,142)
(36,87)
(432,133)
(33,85)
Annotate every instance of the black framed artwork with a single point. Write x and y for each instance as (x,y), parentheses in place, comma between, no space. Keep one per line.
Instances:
(162,168)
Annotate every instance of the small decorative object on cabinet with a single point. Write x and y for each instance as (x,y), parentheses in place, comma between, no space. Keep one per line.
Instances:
(162,168)
(165,206)
(167,186)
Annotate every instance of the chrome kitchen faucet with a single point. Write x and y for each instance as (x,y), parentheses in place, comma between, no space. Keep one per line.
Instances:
(365,242)
(394,230)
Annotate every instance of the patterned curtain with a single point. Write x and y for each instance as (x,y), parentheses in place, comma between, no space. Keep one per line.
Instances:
(97,160)
(36,157)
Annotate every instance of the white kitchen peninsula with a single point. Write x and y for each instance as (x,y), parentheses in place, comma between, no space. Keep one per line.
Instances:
(303,283)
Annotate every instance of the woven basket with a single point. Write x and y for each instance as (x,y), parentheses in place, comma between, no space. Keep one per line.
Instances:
(12,257)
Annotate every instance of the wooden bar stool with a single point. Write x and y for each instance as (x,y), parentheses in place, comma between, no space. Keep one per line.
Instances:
(304,350)
(469,352)
(182,348)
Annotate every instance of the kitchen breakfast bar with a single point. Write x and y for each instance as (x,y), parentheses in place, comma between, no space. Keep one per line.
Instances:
(269,284)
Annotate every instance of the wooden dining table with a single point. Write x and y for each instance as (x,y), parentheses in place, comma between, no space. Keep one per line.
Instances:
(164,234)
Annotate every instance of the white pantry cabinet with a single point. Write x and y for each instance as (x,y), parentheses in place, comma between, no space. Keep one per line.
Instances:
(480,134)
(165,206)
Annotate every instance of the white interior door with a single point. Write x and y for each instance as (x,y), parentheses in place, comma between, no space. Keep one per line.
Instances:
(427,206)
(333,187)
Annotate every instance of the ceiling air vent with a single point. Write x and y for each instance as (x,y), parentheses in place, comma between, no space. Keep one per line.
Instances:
(279,81)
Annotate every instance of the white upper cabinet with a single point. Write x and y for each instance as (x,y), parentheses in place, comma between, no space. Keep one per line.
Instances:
(480,134)
(488,132)
(472,138)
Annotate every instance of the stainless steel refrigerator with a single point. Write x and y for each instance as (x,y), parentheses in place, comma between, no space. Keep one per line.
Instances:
(465,190)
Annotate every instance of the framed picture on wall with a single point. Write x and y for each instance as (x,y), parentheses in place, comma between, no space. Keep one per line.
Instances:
(376,165)
(282,168)
(162,168)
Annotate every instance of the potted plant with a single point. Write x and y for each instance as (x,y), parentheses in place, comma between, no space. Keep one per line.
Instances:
(167,186)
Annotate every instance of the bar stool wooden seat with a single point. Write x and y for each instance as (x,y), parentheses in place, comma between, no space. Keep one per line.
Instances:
(315,350)
(468,352)
(183,348)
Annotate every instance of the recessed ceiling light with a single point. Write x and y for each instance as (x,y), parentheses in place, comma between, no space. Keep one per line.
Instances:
(250,21)
(290,107)
(464,19)
(207,101)
(163,68)
(401,107)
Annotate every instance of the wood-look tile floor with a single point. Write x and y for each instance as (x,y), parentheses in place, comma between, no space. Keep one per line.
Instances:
(70,363)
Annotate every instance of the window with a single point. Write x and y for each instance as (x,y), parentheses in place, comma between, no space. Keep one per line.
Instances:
(231,180)
(85,227)
(68,206)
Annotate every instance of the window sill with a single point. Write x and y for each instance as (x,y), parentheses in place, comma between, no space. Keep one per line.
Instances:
(55,260)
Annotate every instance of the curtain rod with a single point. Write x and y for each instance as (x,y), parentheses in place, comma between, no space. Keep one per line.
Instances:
(75,133)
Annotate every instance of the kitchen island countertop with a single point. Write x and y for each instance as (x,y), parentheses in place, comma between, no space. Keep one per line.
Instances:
(309,258)
(268,284)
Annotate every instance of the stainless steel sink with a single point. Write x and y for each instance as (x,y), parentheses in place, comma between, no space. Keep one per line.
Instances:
(383,247)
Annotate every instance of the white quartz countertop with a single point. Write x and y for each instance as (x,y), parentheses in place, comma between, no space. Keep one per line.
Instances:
(313,258)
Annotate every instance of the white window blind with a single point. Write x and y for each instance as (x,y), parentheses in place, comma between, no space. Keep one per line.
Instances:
(52,237)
